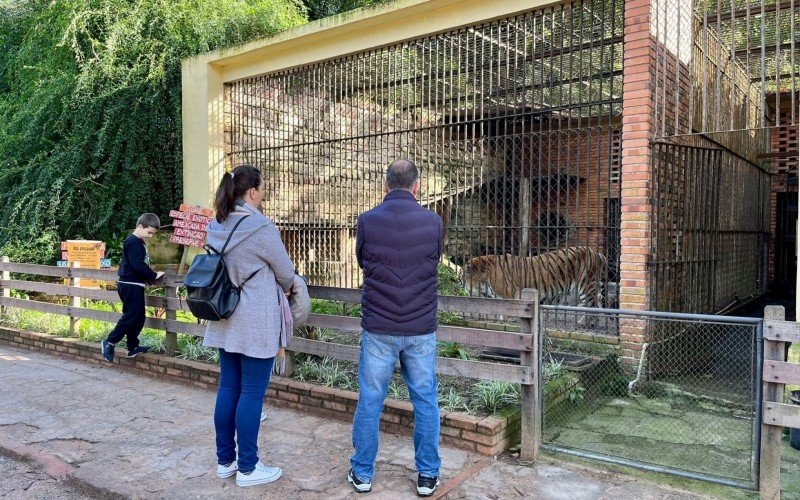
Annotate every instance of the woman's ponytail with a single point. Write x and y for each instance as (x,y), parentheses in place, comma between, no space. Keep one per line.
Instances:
(234,185)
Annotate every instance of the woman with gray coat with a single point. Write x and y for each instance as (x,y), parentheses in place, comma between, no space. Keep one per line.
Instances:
(249,340)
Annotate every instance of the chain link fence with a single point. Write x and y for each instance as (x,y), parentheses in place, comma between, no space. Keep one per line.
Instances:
(685,403)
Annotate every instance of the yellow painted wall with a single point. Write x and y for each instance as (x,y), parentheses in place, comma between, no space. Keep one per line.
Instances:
(204,76)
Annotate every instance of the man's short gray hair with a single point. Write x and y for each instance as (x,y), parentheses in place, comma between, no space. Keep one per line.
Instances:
(401,174)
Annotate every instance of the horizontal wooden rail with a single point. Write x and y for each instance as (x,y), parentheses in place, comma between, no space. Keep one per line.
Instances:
(781,331)
(472,336)
(781,415)
(193,329)
(479,337)
(780,372)
(445,366)
(467,305)
(36,269)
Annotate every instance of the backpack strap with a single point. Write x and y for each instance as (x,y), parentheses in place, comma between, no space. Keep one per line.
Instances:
(248,278)
(222,252)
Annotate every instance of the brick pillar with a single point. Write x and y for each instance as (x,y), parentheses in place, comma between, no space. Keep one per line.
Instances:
(637,175)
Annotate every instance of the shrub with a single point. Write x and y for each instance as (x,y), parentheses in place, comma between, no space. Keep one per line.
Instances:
(90,109)
(494,395)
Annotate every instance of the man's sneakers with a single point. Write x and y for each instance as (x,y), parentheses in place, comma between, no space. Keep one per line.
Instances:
(108,350)
(426,485)
(137,351)
(224,471)
(359,485)
(260,475)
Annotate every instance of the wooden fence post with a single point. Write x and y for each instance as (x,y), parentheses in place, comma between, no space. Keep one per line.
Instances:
(6,292)
(170,292)
(531,418)
(769,484)
(74,323)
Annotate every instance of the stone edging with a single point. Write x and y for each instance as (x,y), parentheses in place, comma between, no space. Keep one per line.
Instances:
(485,435)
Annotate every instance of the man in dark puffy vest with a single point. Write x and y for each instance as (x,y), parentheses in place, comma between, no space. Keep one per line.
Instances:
(398,246)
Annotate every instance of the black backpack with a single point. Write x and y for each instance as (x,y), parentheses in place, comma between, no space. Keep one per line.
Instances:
(211,294)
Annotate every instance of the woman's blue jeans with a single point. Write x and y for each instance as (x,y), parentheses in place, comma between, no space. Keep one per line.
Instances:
(242,384)
(379,354)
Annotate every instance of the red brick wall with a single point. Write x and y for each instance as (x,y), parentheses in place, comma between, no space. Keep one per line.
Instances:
(783,139)
(637,128)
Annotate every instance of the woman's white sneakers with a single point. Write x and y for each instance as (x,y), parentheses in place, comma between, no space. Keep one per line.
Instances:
(262,474)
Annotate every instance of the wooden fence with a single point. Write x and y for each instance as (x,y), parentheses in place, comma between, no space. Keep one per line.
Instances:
(525,342)
(775,414)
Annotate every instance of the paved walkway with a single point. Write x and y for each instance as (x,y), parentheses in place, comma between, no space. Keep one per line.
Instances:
(113,434)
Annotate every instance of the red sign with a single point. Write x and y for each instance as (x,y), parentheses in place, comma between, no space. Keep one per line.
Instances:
(190,223)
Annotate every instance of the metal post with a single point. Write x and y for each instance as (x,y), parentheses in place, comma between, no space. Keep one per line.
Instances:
(74,282)
(531,432)
(769,482)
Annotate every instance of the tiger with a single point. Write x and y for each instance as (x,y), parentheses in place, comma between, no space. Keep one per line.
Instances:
(560,275)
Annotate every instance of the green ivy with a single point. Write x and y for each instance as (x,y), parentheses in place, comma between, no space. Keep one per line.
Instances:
(90,109)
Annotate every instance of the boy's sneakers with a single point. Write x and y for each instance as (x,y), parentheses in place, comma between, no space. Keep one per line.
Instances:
(137,351)
(426,485)
(224,471)
(108,350)
(359,485)
(260,475)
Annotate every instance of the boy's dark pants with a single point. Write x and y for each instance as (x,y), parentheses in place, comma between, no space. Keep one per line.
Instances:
(132,320)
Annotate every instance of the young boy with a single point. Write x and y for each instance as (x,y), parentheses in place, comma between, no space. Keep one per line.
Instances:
(134,272)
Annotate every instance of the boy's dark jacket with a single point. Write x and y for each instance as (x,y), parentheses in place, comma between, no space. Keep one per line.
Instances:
(399,244)
(134,266)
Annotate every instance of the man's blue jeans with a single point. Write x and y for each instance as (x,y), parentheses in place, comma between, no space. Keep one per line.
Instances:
(242,384)
(379,354)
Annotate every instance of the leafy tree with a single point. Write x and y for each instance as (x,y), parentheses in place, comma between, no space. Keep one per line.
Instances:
(318,9)
(90,110)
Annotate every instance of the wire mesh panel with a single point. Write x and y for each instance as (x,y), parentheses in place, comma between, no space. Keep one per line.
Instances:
(726,64)
(688,407)
(513,123)
(711,216)
(727,74)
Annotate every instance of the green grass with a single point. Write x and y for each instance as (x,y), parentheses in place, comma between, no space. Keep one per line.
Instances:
(91,330)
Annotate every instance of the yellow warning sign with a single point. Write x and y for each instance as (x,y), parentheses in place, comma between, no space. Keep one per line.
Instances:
(87,253)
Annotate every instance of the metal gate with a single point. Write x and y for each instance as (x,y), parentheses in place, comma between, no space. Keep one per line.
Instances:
(687,406)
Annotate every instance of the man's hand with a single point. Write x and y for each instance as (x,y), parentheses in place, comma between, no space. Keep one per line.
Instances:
(159,275)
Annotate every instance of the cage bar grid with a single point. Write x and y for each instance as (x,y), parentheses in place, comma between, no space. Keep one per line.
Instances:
(514,124)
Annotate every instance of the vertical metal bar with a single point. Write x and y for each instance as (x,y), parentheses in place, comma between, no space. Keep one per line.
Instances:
(678,64)
(734,82)
(763,66)
(662,46)
(793,88)
(704,57)
(749,101)
(759,379)
(778,44)
(718,64)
